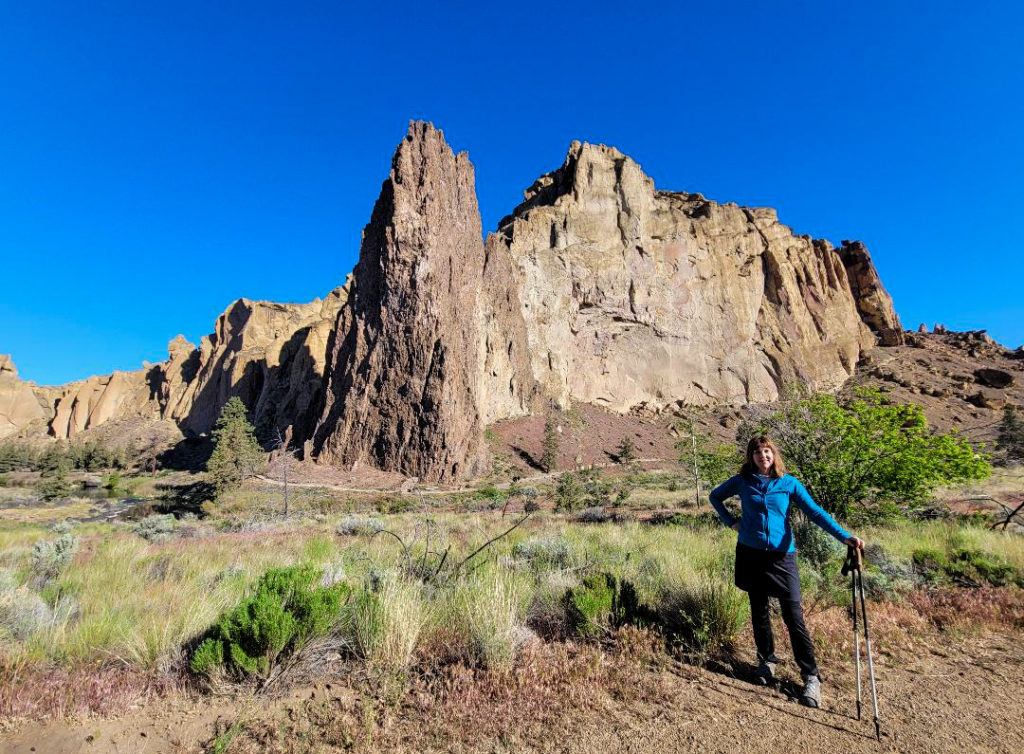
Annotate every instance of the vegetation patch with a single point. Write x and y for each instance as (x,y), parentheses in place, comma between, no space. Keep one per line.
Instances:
(286,610)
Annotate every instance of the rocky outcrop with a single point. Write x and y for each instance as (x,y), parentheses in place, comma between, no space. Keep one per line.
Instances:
(873,302)
(405,390)
(22,406)
(270,355)
(636,296)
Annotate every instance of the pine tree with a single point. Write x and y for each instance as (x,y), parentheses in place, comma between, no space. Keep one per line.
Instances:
(626,452)
(1011,435)
(549,458)
(236,453)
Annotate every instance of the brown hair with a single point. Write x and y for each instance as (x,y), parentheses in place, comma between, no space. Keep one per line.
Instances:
(763,441)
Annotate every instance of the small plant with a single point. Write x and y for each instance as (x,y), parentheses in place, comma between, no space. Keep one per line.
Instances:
(490,608)
(359,526)
(569,492)
(704,619)
(51,558)
(55,485)
(626,452)
(156,527)
(542,552)
(815,546)
(112,483)
(285,611)
(1011,435)
(23,613)
(600,603)
(593,515)
(386,620)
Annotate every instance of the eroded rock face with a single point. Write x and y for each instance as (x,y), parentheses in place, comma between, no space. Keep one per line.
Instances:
(21,404)
(632,295)
(405,378)
(271,355)
(873,302)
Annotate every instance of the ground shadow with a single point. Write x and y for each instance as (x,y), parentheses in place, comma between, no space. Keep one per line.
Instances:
(527,458)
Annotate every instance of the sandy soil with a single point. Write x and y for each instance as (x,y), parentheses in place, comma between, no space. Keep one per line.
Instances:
(959,697)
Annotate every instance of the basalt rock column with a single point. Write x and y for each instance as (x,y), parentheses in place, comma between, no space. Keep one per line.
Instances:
(405,370)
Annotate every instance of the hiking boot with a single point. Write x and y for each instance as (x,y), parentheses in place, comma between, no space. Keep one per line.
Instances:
(811,695)
(765,673)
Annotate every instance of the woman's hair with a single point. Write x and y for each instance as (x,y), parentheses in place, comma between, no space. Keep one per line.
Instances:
(762,441)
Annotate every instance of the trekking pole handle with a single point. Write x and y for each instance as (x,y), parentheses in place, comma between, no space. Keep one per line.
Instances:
(854,560)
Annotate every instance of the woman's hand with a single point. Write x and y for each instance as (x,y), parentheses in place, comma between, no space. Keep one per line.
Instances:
(736,526)
(856,542)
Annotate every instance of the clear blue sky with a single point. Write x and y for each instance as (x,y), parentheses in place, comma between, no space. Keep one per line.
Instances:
(160,159)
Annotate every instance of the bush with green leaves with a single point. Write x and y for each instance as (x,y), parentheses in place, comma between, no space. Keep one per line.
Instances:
(54,485)
(51,558)
(236,453)
(703,619)
(359,526)
(964,566)
(544,552)
(16,456)
(600,603)
(625,453)
(156,527)
(569,492)
(287,609)
(863,457)
(714,461)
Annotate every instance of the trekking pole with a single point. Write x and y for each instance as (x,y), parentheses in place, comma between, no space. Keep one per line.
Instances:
(854,566)
(849,567)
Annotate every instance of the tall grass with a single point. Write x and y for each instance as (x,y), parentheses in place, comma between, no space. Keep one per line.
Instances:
(488,610)
(386,620)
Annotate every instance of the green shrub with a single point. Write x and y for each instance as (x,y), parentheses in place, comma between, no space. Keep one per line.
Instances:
(816,547)
(975,568)
(540,552)
(285,611)
(864,457)
(394,504)
(55,485)
(359,526)
(600,603)
(703,619)
(569,492)
(51,558)
(156,527)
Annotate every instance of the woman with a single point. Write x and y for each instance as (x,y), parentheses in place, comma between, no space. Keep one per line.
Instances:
(766,555)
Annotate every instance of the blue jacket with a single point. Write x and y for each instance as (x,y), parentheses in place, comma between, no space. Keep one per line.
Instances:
(764,524)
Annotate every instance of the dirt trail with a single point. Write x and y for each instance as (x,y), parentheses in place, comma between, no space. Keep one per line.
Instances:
(961,697)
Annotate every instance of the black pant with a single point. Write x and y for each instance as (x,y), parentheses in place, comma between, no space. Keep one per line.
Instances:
(793,615)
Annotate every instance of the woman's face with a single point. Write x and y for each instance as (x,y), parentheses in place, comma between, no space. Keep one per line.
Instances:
(763,458)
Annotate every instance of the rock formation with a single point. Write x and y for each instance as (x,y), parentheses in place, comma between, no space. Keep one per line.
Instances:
(404,391)
(873,302)
(22,404)
(598,289)
(270,355)
(636,296)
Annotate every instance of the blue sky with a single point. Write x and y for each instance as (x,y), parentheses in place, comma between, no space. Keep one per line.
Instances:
(161,159)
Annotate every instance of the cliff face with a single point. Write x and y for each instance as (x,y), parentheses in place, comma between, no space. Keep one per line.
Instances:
(405,388)
(632,295)
(272,356)
(22,404)
(598,288)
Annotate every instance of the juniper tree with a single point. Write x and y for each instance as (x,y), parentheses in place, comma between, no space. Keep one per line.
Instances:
(236,454)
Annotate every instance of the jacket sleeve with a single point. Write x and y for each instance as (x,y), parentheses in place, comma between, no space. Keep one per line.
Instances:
(816,513)
(722,492)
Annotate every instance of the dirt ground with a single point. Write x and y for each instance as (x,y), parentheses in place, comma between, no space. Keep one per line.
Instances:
(962,696)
